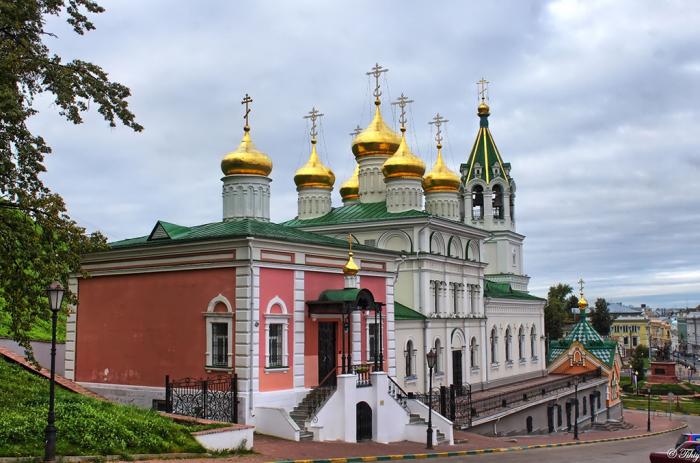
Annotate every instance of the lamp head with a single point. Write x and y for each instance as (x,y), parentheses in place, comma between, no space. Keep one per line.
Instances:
(55,292)
(432,358)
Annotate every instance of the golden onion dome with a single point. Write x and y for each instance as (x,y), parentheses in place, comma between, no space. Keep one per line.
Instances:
(376,139)
(350,190)
(246,159)
(441,178)
(483,109)
(403,163)
(314,174)
(582,303)
(350,268)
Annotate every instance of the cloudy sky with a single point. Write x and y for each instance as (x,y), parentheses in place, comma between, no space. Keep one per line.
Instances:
(596,104)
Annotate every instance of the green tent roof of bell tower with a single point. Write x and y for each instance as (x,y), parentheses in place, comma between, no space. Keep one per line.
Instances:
(484,156)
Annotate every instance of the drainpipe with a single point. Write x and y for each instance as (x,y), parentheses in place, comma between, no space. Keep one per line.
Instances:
(252,340)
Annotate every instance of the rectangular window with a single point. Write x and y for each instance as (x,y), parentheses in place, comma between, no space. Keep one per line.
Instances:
(219,348)
(372,339)
(370,242)
(634,341)
(626,341)
(274,349)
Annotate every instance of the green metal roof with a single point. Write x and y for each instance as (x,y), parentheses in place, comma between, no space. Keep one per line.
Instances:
(504,291)
(401,312)
(167,233)
(360,212)
(340,295)
(584,333)
(486,154)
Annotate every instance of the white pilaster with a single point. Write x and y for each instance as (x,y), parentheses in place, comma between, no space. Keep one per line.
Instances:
(71,332)
(299,319)
(390,333)
(246,197)
(356,337)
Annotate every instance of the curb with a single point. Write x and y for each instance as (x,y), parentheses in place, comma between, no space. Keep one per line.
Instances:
(463,453)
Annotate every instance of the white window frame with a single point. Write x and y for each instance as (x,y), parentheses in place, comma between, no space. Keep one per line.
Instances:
(533,343)
(369,323)
(272,319)
(219,317)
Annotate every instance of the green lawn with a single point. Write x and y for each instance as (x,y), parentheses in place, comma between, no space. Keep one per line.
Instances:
(686,405)
(85,426)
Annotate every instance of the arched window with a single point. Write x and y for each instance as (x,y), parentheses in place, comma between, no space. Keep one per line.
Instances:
(494,346)
(533,342)
(473,353)
(508,345)
(511,200)
(438,361)
(478,202)
(497,201)
(410,360)
(219,326)
(521,343)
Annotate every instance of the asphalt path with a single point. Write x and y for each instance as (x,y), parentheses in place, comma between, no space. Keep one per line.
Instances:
(626,451)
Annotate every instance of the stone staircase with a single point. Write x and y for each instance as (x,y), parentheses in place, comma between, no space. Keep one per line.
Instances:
(306,409)
(439,437)
(611,425)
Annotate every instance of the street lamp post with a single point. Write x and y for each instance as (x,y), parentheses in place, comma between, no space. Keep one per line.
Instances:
(649,409)
(636,382)
(432,360)
(576,380)
(55,292)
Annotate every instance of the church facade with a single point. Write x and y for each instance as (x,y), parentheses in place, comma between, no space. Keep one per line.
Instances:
(436,265)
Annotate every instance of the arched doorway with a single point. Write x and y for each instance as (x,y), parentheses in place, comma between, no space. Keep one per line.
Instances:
(363,421)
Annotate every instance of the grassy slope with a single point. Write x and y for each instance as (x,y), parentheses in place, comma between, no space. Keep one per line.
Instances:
(85,426)
(41,331)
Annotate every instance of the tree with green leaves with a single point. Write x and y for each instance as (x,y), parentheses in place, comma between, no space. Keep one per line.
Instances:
(601,319)
(39,242)
(637,361)
(556,310)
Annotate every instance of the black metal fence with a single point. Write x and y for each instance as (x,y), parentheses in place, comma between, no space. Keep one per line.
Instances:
(456,403)
(214,398)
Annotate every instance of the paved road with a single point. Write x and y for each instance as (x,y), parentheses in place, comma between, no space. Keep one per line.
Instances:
(629,451)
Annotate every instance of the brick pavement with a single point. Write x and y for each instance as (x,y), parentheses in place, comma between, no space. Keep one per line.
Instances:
(271,448)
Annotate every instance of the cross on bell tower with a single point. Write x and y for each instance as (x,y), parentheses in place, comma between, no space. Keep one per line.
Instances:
(483,86)
(356,131)
(376,72)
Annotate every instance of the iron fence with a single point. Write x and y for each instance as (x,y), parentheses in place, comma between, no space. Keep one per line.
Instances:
(213,398)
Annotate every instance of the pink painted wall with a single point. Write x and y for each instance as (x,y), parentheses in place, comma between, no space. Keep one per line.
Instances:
(135,329)
(280,283)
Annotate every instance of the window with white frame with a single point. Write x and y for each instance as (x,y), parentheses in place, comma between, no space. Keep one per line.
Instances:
(276,334)
(409,354)
(219,322)
(219,345)
(521,343)
(494,346)
(473,353)
(509,345)
(533,342)
(372,340)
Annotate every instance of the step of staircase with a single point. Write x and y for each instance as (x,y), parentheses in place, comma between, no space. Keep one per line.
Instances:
(303,412)
(306,435)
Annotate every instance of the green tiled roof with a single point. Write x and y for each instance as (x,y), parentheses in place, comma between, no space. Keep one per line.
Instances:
(401,312)
(584,333)
(360,212)
(166,233)
(504,291)
(486,154)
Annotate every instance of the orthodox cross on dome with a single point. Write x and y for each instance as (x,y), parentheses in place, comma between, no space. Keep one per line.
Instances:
(377,71)
(350,243)
(437,121)
(356,131)
(402,102)
(313,115)
(483,85)
(580,285)
(246,101)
